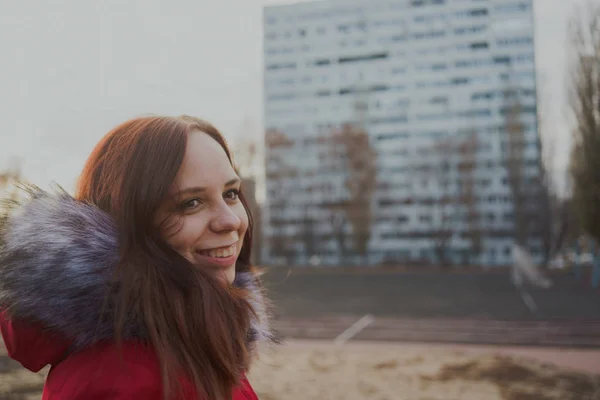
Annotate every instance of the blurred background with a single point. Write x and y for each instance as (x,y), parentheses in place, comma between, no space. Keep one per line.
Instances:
(424,173)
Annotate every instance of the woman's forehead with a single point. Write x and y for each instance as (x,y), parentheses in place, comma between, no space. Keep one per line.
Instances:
(205,163)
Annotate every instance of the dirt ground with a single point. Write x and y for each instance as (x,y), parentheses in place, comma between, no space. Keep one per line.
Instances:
(309,370)
(397,371)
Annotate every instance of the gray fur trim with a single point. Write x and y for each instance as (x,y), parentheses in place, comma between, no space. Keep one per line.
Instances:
(56,258)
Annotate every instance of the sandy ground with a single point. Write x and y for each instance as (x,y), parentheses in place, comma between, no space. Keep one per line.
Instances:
(306,370)
(581,360)
(393,371)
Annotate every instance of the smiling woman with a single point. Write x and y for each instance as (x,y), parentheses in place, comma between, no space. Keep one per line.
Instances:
(213,219)
(143,278)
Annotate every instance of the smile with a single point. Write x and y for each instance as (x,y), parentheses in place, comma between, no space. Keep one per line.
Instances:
(223,252)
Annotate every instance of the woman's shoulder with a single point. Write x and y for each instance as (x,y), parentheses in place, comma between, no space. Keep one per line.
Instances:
(105,371)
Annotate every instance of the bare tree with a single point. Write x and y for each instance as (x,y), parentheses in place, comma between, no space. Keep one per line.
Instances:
(245,153)
(456,160)
(246,158)
(309,235)
(466,172)
(279,174)
(332,165)
(338,223)
(350,145)
(8,192)
(249,191)
(442,232)
(280,242)
(361,183)
(514,163)
(556,222)
(248,153)
(584,98)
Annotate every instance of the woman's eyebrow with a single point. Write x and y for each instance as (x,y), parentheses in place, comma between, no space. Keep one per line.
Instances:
(199,189)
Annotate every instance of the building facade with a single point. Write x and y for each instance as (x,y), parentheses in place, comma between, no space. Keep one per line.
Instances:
(444,89)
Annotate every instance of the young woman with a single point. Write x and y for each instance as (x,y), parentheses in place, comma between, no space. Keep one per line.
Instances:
(139,286)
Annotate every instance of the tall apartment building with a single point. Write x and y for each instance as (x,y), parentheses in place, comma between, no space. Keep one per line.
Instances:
(439,86)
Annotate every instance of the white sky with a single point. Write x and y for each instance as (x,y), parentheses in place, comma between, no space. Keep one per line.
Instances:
(72,69)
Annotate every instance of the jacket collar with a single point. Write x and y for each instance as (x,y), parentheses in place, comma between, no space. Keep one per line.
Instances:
(56,256)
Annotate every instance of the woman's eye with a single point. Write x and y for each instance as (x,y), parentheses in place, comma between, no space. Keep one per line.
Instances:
(232,194)
(191,204)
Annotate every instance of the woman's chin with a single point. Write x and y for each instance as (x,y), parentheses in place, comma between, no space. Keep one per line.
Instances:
(228,275)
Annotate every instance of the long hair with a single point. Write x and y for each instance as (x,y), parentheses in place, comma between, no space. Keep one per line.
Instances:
(196,323)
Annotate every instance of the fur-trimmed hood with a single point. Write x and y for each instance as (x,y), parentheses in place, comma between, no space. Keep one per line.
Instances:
(56,259)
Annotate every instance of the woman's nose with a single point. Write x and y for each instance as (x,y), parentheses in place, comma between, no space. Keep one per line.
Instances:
(225,220)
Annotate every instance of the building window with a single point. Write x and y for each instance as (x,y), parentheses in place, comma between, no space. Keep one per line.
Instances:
(391,136)
(432,117)
(478,12)
(474,113)
(459,81)
(439,100)
(522,110)
(425,219)
(470,29)
(514,41)
(479,45)
(509,8)
(525,57)
(367,57)
(482,96)
(429,35)
(503,60)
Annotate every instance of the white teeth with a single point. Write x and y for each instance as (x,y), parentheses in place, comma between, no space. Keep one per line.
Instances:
(221,253)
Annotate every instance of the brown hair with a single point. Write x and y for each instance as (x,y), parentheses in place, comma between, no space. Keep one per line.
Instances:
(196,324)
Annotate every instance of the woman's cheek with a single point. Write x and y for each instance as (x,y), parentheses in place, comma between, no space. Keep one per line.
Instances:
(243,215)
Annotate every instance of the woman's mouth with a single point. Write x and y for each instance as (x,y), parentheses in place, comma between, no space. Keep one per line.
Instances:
(223,256)
(222,252)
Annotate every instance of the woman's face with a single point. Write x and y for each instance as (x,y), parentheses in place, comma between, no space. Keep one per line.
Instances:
(210,219)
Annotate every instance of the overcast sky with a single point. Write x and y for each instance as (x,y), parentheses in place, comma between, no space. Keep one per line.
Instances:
(72,69)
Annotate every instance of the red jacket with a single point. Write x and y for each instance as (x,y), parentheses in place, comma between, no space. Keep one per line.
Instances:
(56,263)
(99,372)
